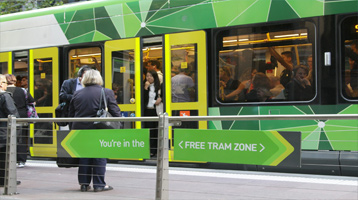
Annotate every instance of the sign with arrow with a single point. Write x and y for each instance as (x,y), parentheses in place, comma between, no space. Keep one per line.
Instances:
(238,146)
(104,143)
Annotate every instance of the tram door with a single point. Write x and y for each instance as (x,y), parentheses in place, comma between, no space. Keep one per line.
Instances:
(186,85)
(123,75)
(5,62)
(43,86)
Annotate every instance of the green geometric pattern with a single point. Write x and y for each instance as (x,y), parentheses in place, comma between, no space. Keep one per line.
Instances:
(133,18)
(316,134)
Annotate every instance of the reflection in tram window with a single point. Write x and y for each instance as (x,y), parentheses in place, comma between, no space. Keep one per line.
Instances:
(123,76)
(351,69)
(349,58)
(184,73)
(43,82)
(90,56)
(43,131)
(20,66)
(246,54)
(3,67)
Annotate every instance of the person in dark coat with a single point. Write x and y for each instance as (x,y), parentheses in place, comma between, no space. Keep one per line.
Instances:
(7,107)
(21,98)
(69,87)
(85,103)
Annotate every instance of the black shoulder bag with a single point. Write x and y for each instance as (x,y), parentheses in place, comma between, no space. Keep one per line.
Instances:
(103,113)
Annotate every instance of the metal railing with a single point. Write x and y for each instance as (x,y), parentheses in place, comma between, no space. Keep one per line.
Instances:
(162,176)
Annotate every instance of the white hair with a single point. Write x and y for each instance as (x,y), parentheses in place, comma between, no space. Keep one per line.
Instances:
(91,77)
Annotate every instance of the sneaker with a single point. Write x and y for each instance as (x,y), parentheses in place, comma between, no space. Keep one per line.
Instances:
(21,165)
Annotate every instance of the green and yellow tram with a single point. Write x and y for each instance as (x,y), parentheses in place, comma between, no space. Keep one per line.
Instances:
(205,39)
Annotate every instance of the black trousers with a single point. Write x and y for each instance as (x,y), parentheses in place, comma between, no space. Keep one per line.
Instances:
(92,168)
(2,165)
(22,144)
(153,128)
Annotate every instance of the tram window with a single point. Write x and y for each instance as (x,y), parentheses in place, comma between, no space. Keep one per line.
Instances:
(90,56)
(258,64)
(123,76)
(20,66)
(43,82)
(184,73)
(3,67)
(349,61)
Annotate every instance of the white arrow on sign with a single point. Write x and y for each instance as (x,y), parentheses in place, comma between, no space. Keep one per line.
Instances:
(180,144)
(262,147)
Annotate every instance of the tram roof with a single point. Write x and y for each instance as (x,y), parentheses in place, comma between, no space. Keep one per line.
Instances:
(101,20)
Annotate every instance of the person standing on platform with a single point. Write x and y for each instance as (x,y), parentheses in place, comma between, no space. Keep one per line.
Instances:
(7,107)
(22,98)
(85,103)
(69,87)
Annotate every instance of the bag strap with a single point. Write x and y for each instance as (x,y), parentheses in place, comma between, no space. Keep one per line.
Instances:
(25,92)
(103,96)
(26,97)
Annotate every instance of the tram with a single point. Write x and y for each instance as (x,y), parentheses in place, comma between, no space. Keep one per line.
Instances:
(210,41)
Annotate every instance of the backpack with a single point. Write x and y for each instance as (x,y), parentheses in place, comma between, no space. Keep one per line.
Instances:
(61,111)
(31,110)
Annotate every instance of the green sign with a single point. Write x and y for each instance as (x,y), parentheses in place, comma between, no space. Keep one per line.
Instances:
(109,143)
(229,146)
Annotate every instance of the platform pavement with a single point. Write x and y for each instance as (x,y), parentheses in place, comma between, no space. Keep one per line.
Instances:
(43,180)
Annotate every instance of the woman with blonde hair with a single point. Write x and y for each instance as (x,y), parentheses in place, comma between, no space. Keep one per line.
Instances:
(85,103)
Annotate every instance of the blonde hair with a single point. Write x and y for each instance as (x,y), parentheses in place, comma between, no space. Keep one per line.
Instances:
(3,78)
(92,77)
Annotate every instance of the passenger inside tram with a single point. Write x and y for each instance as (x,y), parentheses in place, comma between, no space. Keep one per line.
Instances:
(352,79)
(183,88)
(276,87)
(243,88)
(227,83)
(260,91)
(154,64)
(299,88)
(285,59)
(310,66)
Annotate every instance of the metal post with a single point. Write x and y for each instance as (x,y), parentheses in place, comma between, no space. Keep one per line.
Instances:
(10,162)
(162,184)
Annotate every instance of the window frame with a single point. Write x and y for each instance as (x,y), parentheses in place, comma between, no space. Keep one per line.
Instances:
(343,34)
(217,45)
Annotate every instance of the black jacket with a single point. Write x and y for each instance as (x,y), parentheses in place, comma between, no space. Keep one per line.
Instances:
(7,107)
(68,88)
(21,102)
(85,103)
